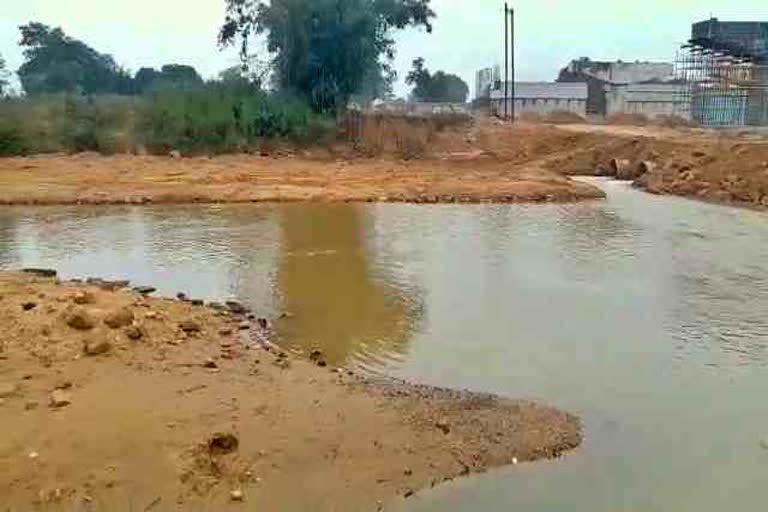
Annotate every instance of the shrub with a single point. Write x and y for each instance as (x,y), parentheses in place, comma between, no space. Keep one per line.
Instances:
(221,120)
(214,120)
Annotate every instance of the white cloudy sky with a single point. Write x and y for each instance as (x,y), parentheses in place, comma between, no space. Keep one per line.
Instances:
(468,34)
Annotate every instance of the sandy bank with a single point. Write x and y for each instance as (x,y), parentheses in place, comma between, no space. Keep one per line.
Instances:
(92,179)
(111,400)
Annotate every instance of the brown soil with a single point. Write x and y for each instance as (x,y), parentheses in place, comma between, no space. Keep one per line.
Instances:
(486,162)
(94,419)
(724,167)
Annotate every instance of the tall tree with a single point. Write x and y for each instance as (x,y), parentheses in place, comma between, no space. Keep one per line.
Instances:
(324,50)
(3,76)
(438,87)
(55,62)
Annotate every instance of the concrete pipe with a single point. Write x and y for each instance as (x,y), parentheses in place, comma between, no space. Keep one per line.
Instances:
(645,167)
(619,168)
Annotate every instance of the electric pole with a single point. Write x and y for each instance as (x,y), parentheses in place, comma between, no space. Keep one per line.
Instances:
(512,55)
(506,60)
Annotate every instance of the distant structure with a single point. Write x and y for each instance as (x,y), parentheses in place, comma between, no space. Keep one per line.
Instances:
(540,98)
(723,70)
(746,39)
(483,82)
(601,77)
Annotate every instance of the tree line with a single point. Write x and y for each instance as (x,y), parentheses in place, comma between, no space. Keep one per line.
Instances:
(323,53)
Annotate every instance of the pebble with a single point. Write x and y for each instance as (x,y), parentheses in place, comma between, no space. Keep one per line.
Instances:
(119,318)
(244,325)
(237,495)
(97,347)
(33,455)
(151,315)
(145,290)
(181,296)
(82,298)
(133,332)
(198,302)
(221,443)
(443,425)
(60,398)
(189,325)
(80,319)
(210,363)
(28,306)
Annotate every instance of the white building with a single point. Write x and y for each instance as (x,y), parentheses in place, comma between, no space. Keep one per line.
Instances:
(541,98)
(649,99)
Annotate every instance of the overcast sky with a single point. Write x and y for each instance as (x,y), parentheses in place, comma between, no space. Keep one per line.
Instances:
(468,34)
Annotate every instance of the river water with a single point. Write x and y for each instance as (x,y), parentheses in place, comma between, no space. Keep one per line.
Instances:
(647,316)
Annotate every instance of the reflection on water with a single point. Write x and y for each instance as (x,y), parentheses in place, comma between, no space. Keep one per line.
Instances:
(645,315)
(326,281)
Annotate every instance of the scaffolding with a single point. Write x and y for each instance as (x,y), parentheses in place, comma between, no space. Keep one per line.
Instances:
(720,88)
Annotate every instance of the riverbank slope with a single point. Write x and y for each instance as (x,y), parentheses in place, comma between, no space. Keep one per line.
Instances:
(111,400)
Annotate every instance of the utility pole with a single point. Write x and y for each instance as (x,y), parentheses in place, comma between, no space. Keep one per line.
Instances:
(506,60)
(512,54)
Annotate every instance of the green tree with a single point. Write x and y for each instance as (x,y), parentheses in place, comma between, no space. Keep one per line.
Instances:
(55,62)
(325,50)
(440,87)
(3,76)
(177,77)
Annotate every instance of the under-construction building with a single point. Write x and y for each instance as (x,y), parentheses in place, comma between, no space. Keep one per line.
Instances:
(723,74)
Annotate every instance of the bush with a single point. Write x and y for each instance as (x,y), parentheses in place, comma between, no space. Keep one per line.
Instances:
(215,120)
(222,121)
(68,123)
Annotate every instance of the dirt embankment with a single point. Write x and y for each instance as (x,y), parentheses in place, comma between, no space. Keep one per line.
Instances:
(724,167)
(470,164)
(111,400)
(486,161)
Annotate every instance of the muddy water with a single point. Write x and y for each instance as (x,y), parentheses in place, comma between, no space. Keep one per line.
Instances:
(645,315)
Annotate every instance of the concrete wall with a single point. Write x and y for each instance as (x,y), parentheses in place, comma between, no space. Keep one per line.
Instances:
(419,108)
(541,98)
(650,100)
(540,106)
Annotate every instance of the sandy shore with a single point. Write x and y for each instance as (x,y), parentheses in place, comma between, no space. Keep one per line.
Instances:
(93,179)
(111,400)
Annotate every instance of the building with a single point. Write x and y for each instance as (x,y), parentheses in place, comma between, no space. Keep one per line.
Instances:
(540,98)
(724,72)
(739,38)
(484,82)
(647,99)
(599,74)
